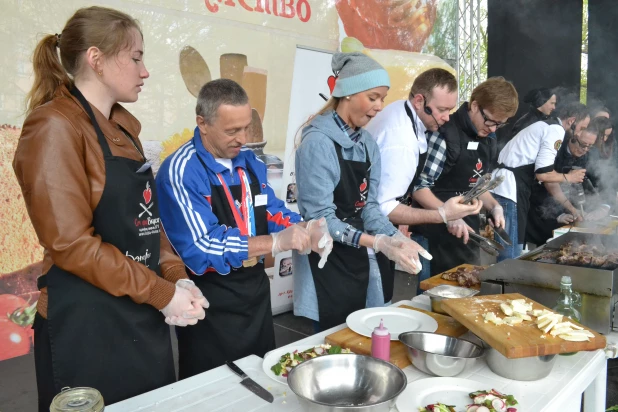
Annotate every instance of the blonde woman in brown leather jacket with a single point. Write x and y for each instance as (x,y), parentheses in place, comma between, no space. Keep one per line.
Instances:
(110,278)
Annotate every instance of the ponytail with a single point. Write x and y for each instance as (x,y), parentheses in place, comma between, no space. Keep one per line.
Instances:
(48,73)
(57,57)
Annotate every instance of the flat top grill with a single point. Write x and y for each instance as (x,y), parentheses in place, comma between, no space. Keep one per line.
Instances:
(578,249)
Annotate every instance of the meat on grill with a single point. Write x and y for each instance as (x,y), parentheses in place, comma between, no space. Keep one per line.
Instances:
(583,254)
(466,277)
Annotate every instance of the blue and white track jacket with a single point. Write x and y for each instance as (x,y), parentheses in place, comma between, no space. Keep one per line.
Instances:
(183,188)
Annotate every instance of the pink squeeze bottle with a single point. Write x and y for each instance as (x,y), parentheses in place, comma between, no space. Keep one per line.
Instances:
(381,343)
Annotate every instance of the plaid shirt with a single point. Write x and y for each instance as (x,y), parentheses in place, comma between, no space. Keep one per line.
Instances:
(351,236)
(436,156)
(354,134)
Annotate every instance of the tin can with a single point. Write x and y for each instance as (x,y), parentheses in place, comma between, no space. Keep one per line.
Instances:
(78,400)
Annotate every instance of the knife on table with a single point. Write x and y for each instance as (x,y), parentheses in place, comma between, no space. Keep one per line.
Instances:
(250,384)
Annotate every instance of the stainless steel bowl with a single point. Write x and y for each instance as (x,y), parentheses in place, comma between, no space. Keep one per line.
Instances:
(520,369)
(439,293)
(439,355)
(347,383)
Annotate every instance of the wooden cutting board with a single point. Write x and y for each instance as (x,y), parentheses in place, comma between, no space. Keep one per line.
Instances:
(517,341)
(346,338)
(437,280)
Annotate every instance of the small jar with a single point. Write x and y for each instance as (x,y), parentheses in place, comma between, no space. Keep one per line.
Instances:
(77,400)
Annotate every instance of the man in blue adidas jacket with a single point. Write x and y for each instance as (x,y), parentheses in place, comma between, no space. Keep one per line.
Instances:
(222,217)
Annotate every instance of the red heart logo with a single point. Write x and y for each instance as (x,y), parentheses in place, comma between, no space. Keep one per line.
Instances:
(331,83)
(363,186)
(147,193)
(479,165)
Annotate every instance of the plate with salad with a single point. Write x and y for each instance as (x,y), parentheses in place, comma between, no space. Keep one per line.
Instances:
(454,395)
(279,362)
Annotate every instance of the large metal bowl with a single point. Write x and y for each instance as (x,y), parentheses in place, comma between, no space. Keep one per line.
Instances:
(439,293)
(520,369)
(347,383)
(439,355)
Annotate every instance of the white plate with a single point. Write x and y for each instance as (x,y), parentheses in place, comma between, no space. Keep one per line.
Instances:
(274,355)
(449,391)
(396,320)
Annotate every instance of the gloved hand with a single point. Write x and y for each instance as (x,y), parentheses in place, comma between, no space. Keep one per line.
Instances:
(597,214)
(409,242)
(321,241)
(181,311)
(395,250)
(195,291)
(497,214)
(292,238)
(459,228)
(566,219)
(454,210)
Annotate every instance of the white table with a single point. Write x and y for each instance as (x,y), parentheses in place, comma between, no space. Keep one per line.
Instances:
(219,389)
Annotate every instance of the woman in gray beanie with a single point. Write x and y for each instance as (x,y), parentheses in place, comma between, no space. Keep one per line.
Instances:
(337,177)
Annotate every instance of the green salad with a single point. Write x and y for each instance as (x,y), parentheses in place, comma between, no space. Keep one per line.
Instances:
(289,360)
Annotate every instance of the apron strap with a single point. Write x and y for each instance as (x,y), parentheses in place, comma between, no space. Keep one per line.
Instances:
(102,141)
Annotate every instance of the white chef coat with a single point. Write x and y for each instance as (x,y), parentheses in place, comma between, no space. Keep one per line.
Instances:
(400,150)
(537,144)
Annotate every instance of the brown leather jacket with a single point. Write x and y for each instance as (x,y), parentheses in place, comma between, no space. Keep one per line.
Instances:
(60,168)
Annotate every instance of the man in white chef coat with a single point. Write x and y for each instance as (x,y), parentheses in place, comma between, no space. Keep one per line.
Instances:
(401,130)
(531,153)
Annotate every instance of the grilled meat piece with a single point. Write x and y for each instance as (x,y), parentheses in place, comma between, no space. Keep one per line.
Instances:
(465,277)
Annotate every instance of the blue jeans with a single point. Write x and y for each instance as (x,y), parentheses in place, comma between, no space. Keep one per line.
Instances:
(425,273)
(510,223)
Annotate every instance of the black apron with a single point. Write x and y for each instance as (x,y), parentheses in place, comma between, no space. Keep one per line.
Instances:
(239,320)
(111,343)
(448,251)
(545,209)
(524,179)
(341,285)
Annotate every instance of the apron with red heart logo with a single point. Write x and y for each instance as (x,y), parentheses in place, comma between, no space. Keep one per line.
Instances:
(448,251)
(90,337)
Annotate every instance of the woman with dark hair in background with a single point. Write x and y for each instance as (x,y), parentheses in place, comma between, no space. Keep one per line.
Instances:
(542,103)
(110,278)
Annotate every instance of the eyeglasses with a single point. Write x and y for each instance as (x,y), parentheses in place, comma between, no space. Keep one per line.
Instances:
(490,122)
(583,146)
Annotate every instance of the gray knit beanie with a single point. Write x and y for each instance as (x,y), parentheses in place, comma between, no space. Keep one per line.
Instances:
(357,72)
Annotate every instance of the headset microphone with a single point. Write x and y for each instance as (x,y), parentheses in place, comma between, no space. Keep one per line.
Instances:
(430,113)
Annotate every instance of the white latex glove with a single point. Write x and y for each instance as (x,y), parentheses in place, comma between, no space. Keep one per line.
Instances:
(321,241)
(497,214)
(394,249)
(415,246)
(292,238)
(597,214)
(459,228)
(454,210)
(181,311)
(195,291)
(566,219)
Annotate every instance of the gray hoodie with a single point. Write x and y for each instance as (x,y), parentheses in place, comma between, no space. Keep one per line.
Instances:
(318,173)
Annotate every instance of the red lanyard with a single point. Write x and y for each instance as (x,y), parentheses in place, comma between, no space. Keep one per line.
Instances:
(240,216)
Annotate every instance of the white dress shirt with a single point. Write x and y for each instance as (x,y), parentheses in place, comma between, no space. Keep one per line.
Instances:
(400,150)
(537,144)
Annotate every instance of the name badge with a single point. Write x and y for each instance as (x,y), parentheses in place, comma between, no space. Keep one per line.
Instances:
(261,200)
(473,145)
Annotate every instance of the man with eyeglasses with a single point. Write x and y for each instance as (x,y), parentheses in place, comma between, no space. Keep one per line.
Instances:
(401,131)
(532,153)
(465,150)
(550,207)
